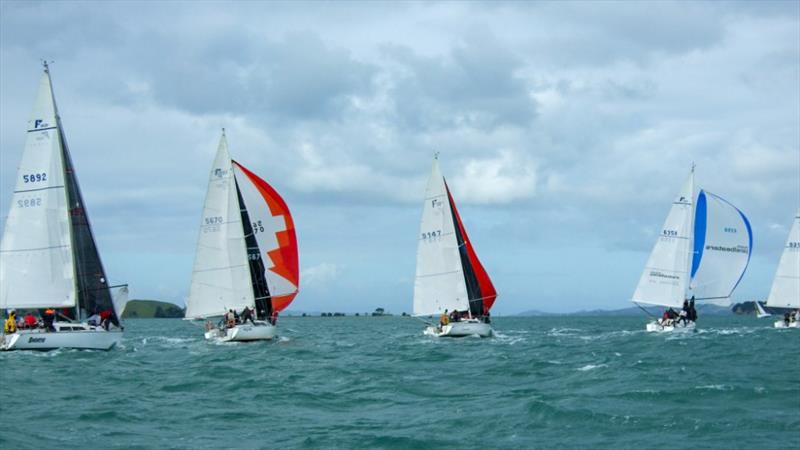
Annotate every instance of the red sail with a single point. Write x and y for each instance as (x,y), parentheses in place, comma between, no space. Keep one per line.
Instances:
(285,257)
(486,291)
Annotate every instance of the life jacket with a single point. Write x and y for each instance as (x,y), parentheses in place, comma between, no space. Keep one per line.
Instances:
(11,324)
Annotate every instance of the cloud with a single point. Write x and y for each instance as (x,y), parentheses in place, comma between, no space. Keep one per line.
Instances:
(564,129)
(320,274)
(504,178)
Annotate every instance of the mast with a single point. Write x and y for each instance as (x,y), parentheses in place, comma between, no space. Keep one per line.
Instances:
(691,252)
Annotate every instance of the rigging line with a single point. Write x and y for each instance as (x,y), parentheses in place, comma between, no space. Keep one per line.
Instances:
(420,319)
(645,311)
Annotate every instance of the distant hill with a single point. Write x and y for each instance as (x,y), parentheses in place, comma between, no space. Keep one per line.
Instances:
(748,308)
(708,310)
(151,309)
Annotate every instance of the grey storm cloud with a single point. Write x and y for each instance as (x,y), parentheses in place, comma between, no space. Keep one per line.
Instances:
(564,129)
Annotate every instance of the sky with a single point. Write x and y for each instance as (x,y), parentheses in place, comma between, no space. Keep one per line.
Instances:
(564,131)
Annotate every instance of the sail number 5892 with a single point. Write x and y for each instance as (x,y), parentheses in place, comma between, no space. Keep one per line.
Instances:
(34,177)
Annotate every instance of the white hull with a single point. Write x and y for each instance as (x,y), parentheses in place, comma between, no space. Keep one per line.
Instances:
(77,336)
(261,331)
(461,329)
(783,324)
(656,327)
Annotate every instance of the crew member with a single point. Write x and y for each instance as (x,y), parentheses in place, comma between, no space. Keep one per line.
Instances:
(48,317)
(444,319)
(11,323)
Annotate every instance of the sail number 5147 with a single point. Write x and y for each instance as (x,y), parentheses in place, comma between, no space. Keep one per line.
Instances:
(432,234)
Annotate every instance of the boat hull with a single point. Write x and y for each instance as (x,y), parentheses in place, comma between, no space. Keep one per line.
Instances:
(783,324)
(261,331)
(655,327)
(86,338)
(461,329)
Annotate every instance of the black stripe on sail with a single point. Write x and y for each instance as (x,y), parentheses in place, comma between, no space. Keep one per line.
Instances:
(257,270)
(94,295)
(473,288)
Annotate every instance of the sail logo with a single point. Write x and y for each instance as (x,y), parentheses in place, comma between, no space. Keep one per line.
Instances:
(39,123)
(436,203)
(794,245)
(219,173)
(737,249)
(729,230)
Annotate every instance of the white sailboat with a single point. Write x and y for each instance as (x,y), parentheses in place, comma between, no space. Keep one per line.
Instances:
(48,256)
(246,253)
(785,291)
(701,253)
(449,275)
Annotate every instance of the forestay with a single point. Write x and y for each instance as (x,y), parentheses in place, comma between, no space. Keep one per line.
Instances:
(439,283)
(221,274)
(36,258)
(666,274)
(785,291)
(723,242)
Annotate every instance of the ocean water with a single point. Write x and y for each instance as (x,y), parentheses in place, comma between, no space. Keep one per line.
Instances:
(592,382)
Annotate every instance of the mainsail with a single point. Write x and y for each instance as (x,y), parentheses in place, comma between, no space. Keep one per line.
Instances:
(247,250)
(666,274)
(785,291)
(48,255)
(221,274)
(702,251)
(449,274)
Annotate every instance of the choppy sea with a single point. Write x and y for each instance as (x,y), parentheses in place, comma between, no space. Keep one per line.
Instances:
(364,382)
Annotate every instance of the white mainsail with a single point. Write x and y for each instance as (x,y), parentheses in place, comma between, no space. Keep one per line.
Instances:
(785,291)
(723,242)
(439,282)
(666,274)
(36,258)
(221,275)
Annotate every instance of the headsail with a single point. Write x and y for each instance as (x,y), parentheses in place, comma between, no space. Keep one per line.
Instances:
(480,290)
(785,291)
(723,242)
(272,225)
(221,274)
(666,274)
(36,258)
(92,284)
(449,274)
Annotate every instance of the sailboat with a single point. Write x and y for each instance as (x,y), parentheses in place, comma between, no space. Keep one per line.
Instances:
(701,253)
(48,255)
(785,291)
(449,275)
(246,253)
